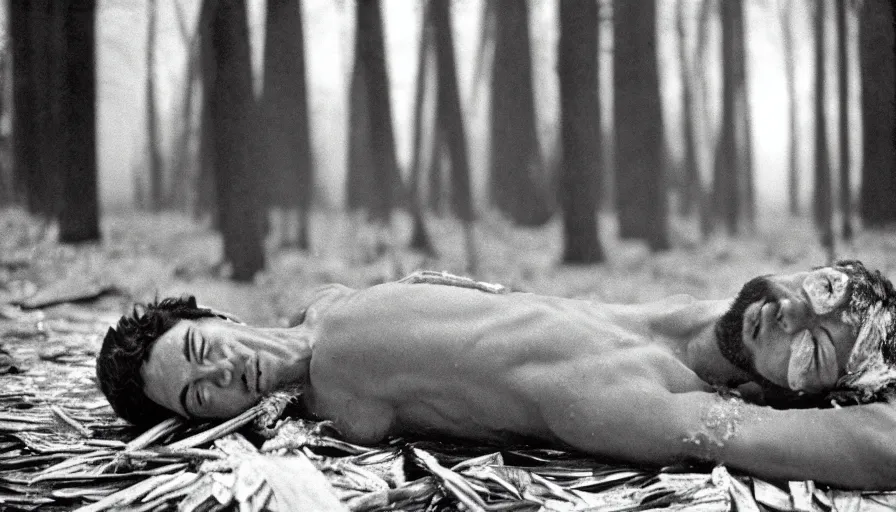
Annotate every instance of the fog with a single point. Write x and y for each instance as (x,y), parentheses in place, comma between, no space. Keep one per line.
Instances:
(329,30)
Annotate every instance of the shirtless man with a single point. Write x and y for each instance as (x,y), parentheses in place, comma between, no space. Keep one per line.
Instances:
(436,354)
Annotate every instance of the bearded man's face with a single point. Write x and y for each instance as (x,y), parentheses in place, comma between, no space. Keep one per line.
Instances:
(789,330)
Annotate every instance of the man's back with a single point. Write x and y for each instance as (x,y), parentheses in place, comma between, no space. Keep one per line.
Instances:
(457,361)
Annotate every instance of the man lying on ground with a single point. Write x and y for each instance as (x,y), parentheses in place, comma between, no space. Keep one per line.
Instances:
(435,354)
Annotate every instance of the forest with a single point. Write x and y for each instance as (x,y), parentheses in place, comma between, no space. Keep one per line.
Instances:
(246,151)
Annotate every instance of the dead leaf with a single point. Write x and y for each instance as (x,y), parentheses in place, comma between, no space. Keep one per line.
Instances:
(295,482)
(52,352)
(8,364)
(771,496)
(74,289)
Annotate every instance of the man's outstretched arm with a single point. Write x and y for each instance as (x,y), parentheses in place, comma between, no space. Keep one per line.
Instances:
(851,447)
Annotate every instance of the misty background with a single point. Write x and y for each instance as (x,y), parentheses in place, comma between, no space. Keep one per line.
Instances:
(329,38)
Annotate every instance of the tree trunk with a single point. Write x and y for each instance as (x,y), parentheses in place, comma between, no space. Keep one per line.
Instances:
(878,113)
(449,122)
(419,235)
(24,97)
(360,164)
(517,170)
(7,179)
(726,196)
(823,204)
(46,79)
(55,159)
(843,82)
(156,172)
(793,192)
(79,215)
(206,200)
(640,146)
(744,121)
(690,176)
(485,51)
(180,194)
(234,123)
(704,26)
(287,151)
(450,117)
(579,120)
(54,115)
(376,81)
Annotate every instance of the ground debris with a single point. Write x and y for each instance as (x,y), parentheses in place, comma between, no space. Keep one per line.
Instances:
(243,464)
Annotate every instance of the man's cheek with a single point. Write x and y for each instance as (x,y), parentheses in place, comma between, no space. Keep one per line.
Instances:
(772,364)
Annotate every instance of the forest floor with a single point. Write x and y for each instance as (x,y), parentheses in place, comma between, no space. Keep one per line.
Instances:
(57,301)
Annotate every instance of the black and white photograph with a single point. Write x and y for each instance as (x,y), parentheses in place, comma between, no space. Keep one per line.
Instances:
(447,255)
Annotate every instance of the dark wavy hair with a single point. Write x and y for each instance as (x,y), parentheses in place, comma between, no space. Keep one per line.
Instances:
(126,347)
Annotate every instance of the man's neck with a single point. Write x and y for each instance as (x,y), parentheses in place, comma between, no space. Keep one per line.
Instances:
(689,327)
(300,339)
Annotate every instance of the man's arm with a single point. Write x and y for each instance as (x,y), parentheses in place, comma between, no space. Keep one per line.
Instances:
(851,447)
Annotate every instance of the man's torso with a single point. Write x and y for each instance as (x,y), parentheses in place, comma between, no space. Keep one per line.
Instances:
(445,360)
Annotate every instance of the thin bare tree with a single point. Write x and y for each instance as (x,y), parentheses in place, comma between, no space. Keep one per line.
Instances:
(420,239)
(155,166)
(843,96)
(823,205)
(183,172)
(726,193)
(785,20)
(744,120)
(690,189)
(450,125)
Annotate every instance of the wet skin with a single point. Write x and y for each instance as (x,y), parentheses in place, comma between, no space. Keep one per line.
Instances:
(632,382)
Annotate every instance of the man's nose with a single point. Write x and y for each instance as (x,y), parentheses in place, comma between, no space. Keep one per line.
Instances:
(794,315)
(220,372)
